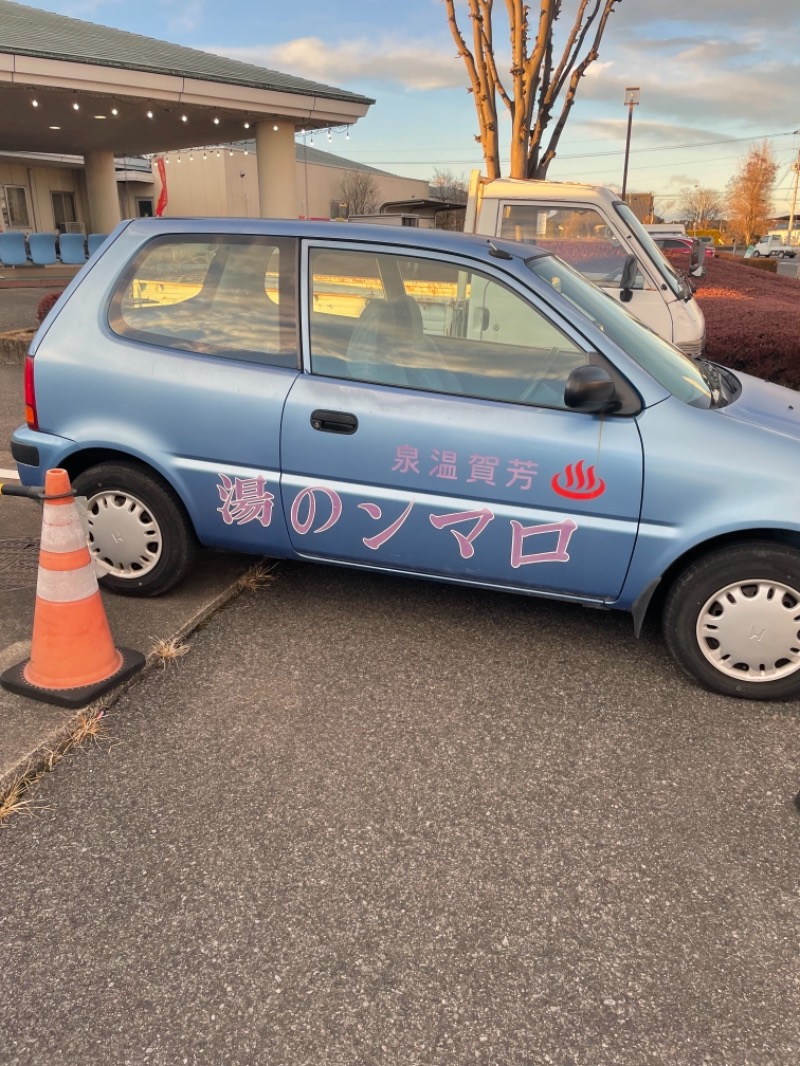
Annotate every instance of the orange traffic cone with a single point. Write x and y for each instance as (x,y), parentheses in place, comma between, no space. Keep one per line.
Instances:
(73,658)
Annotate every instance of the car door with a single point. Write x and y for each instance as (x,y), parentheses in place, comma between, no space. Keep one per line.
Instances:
(429,433)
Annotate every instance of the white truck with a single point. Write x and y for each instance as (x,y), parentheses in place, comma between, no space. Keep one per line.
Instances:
(774,243)
(596,232)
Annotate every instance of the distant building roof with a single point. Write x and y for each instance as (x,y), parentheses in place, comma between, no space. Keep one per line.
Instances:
(307,154)
(28,31)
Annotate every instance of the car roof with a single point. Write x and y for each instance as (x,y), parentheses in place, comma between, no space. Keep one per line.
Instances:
(434,239)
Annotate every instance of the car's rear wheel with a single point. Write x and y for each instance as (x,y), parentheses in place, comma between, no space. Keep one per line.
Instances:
(140,536)
(732,621)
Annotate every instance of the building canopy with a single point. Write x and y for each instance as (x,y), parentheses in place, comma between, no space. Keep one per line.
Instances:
(69,86)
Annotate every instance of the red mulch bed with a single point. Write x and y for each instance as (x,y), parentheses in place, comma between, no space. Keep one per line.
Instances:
(752,319)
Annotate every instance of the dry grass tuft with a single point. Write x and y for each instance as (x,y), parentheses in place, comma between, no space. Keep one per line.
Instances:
(167,650)
(257,577)
(87,726)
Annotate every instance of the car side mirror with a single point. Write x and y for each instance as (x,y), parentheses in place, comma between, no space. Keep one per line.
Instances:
(591,389)
(628,279)
(696,259)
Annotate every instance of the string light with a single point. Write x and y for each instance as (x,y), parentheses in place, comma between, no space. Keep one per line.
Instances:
(184,118)
(149,113)
(247,124)
(275,127)
(35,102)
(216,120)
(75,105)
(114,111)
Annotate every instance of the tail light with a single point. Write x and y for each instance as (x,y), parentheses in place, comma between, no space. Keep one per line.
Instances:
(31,416)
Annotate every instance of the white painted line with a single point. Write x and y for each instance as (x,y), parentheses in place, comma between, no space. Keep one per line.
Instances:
(9,475)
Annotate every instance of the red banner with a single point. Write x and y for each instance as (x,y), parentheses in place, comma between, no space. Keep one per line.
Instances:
(162,198)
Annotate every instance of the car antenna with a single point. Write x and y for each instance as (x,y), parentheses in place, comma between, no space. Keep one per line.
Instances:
(498,253)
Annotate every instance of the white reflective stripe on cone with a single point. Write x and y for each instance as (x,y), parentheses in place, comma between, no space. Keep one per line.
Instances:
(65,586)
(62,530)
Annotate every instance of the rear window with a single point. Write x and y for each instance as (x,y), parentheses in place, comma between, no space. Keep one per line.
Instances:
(231,296)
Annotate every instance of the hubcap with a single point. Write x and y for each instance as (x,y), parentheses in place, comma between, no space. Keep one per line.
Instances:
(751,630)
(124,538)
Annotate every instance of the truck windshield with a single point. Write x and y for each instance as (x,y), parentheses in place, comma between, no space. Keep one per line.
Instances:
(670,367)
(676,283)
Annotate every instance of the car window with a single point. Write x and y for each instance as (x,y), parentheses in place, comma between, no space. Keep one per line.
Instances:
(422,323)
(221,295)
(578,235)
(669,366)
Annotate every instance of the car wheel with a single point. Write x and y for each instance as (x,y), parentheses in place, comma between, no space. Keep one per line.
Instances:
(732,621)
(140,536)
(781,255)
(756,255)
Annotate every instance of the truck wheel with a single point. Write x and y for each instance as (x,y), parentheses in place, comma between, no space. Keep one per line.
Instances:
(756,255)
(140,536)
(732,621)
(781,255)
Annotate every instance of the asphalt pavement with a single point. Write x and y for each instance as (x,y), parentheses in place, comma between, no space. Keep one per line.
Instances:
(374,821)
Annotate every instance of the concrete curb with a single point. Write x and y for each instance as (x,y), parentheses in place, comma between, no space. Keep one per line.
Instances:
(59,739)
(14,346)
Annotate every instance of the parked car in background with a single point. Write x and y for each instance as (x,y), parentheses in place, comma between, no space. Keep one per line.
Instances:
(426,404)
(682,246)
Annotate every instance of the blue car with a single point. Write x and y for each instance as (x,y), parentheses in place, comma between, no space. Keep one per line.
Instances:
(420,403)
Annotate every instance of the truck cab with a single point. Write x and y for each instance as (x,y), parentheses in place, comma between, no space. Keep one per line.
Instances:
(597,233)
(774,244)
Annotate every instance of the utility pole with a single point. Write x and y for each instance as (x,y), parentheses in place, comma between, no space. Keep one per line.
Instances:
(631,99)
(796,169)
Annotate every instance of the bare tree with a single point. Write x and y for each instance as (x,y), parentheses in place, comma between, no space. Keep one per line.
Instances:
(359,190)
(543,76)
(446,186)
(750,192)
(702,207)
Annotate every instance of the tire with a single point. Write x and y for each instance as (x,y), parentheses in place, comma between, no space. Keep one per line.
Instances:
(732,621)
(781,255)
(140,536)
(756,255)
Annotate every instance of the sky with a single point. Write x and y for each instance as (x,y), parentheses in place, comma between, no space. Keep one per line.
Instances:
(717,77)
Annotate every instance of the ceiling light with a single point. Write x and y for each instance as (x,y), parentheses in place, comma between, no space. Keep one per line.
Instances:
(275,127)
(55,127)
(149,114)
(216,120)
(75,105)
(99,116)
(35,102)
(114,111)
(184,118)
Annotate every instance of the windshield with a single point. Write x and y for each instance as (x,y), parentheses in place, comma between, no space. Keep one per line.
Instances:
(676,283)
(670,367)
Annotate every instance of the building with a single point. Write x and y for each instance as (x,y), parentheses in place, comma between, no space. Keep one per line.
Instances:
(76,97)
(217,180)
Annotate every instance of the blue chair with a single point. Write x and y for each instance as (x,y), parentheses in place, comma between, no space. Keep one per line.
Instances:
(43,248)
(12,249)
(94,242)
(72,247)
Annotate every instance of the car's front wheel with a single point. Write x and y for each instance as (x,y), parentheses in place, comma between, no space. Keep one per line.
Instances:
(140,537)
(732,621)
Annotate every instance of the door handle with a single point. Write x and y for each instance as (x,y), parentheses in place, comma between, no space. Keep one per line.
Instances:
(334,422)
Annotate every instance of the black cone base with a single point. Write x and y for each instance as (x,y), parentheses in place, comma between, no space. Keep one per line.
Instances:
(13,680)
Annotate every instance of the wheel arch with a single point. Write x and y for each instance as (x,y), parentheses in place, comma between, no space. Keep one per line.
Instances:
(81,461)
(651,601)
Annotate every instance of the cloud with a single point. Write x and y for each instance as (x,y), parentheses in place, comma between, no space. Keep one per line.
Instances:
(414,65)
